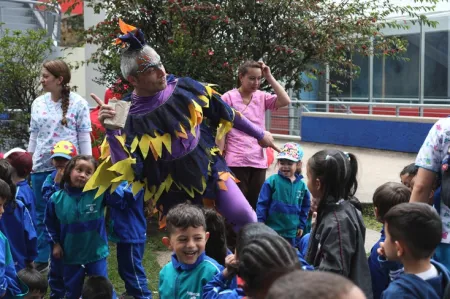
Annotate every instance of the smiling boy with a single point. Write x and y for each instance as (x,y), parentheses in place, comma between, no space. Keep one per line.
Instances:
(190,269)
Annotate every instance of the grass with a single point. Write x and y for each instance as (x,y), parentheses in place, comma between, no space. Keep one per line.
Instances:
(369,218)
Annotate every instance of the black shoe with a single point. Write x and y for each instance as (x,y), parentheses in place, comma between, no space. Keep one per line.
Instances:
(42,267)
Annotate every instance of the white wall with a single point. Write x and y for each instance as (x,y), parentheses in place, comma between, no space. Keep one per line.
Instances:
(91,19)
(74,55)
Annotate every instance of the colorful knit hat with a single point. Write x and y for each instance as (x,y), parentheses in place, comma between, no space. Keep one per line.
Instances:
(64,149)
(291,151)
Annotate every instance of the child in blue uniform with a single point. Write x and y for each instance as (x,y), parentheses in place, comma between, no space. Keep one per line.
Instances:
(22,163)
(62,152)
(75,225)
(17,224)
(129,231)
(190,268)
(10,287)
(385,197)
(284,201)
(35,281)
(413,231)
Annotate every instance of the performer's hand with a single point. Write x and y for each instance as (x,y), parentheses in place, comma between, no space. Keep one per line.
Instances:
(105,112)
(267,141)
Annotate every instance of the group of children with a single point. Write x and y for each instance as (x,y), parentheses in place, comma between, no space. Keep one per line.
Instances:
(74,227)
(302,227)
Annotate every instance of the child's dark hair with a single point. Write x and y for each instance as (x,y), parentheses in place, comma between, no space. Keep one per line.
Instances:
(216,247)
(71,165)
(418,225)
(34,280)
(311,285)
(389,195)
(410,169)
(183,216)
(250,232)
(6,171)
(5,191)
(265,259)
(336,172)
(97,287)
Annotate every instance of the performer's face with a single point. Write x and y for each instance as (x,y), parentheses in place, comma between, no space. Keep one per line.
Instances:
(151,76)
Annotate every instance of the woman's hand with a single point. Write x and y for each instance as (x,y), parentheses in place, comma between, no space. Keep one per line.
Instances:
(105,112)
(265,70)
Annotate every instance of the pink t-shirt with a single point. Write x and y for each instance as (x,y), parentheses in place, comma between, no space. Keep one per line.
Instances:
(242,150)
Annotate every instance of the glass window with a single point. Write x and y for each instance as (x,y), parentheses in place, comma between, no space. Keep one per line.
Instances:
(437,65)
(394,78)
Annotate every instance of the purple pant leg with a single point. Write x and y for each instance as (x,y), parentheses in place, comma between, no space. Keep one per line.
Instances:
(232,205)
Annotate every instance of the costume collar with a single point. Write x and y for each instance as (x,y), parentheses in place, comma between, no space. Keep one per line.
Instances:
(186,267)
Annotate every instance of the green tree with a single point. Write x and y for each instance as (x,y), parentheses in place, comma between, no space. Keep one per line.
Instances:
(207,40)
(21,56)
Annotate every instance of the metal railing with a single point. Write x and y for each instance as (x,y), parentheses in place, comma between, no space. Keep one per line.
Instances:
(287,120)
(45,15)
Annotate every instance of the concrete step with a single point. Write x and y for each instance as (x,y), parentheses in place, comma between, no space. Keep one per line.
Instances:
(4,3)
(15,19)
(22,27)
(15,11)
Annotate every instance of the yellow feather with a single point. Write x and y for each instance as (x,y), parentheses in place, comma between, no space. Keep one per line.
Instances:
(136,187)
(144,145)
(134,144)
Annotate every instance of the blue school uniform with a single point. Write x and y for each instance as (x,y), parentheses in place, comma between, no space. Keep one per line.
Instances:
(25,194)
(129,230)
(381,271)
(75,220)
(56,271)
(17,226)
(10,286)
(411,286)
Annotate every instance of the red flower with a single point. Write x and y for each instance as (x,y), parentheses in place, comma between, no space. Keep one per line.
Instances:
(226,20)
(214,18)
(225,64)
(210,52)
(164,22)
(171,41)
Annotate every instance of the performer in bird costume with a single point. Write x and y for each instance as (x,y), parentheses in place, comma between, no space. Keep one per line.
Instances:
(166,146)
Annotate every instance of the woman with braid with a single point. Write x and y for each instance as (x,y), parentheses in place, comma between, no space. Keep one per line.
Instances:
(57,115)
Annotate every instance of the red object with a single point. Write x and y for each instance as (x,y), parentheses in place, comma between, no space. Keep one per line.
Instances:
(75,5)
(270,156)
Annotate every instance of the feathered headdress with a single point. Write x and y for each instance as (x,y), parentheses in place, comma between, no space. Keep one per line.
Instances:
(133,36)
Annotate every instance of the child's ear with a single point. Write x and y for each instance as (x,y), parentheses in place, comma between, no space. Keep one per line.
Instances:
(166,242)
(400,248)
(318,184)
(207,236)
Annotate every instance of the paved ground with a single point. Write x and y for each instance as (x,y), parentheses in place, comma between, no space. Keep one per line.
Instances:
(375,166)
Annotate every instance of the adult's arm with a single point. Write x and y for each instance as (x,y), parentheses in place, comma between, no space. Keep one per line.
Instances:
(423,185)
(429,160)
(282,96)
(84,128)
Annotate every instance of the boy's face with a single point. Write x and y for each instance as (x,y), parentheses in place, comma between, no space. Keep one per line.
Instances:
(287,167)
(188,243)
(59,162)
(390,247)
(406,179)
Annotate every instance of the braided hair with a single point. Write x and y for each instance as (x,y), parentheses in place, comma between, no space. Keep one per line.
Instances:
(59,68)
(263,260)
(6,171)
